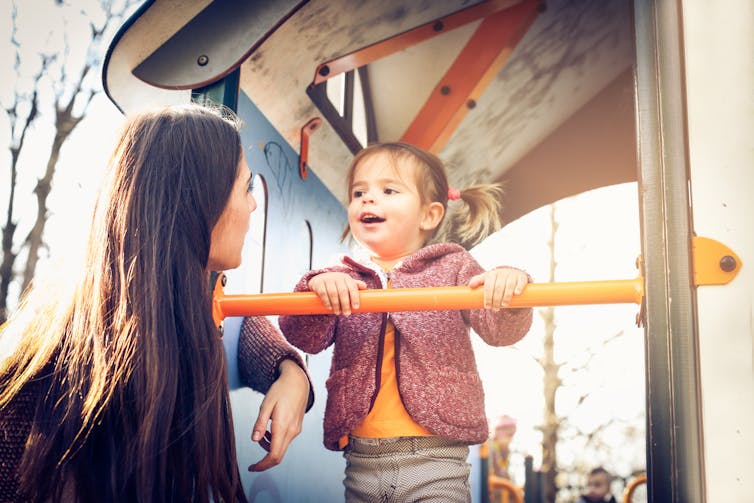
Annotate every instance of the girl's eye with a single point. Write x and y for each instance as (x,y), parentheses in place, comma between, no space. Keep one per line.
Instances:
(358,193)
(388,190)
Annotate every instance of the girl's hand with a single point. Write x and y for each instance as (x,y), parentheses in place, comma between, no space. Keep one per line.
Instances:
(500,285)
(338,291)
(284,406)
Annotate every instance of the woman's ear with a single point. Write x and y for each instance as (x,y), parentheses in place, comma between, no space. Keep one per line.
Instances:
(433,213)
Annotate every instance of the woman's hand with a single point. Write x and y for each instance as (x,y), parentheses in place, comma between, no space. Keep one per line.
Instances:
(284,405)
(500,285)
(338,291)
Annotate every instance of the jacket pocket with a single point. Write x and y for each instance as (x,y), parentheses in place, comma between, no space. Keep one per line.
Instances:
(462,398)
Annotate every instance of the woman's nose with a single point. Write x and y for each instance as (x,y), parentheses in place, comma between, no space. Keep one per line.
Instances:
(252,203)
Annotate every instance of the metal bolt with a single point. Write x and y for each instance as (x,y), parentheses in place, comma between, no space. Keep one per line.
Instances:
(445,90)
(224,280)
(728,263)
(202,60)
(438,26)
(221,330)
(471,104)
(324,71)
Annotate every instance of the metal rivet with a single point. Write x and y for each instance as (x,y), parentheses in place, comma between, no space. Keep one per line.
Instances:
(324,71)
(728,263)
(224,280)
(221,329)
(471,104)
(445,90)
(438,26)
(202,60)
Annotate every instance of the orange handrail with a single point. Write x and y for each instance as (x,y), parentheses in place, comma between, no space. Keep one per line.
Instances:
(508,487)
(628,492)
(430,298)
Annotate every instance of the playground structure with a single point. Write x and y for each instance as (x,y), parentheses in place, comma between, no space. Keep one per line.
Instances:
(559,98)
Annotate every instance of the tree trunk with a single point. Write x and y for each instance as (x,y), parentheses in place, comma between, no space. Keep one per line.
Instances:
(552,382)
(65,123)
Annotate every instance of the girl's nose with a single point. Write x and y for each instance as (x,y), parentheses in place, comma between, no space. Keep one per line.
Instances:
(368,197)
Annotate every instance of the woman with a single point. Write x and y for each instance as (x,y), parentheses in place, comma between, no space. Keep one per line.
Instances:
(118,390)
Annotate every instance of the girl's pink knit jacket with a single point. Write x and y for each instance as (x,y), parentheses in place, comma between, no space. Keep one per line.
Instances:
(436,371)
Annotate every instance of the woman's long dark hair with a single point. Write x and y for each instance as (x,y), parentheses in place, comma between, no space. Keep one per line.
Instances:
(134,403)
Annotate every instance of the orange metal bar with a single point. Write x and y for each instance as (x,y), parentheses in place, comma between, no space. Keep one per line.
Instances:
(508,489)
(407,39)
(433,298)
(628,492)
(479,61)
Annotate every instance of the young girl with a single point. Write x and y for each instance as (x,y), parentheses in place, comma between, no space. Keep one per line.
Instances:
(404,396)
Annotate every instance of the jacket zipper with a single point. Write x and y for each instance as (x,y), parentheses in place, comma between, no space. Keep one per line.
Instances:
(378,365)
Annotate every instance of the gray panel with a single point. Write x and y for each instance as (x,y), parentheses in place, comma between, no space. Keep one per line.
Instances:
(213,43)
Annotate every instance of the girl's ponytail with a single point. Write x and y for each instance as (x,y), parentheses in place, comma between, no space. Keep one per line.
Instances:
(474,217)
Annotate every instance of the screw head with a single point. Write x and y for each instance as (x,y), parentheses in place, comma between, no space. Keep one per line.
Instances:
(324,71)
(471,104)
(224,280)
(202,60)
(728,263)
(445,90)
(438,26)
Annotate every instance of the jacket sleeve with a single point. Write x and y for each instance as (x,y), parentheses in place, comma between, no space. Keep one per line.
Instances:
(310,333)
(496,328)
(261,349)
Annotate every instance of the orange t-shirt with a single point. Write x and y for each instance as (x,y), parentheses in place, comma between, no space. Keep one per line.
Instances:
(388,417)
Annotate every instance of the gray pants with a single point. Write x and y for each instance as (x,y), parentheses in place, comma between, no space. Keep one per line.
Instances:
(406,469)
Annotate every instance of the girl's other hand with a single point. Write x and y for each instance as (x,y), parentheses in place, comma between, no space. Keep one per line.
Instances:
(500,285)
(338,291)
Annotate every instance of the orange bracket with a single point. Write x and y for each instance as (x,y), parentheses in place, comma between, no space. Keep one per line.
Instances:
(406,39)
(478,62)
(714,262)
(303,159)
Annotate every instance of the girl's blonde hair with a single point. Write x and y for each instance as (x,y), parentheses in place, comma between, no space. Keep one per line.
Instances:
(468,223)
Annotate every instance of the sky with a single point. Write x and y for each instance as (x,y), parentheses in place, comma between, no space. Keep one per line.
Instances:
(597,239)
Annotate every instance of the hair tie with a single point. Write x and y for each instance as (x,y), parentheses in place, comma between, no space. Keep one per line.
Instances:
(454,194)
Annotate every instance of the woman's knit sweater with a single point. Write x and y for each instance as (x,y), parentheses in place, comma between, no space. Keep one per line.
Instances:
(261,348)
(435,367)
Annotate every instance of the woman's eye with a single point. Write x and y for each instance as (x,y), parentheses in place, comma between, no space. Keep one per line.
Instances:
(250,188)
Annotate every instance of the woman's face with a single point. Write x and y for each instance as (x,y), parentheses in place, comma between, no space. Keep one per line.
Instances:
(229,232)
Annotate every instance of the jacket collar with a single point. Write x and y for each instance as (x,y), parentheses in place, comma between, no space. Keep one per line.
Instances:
(417,261)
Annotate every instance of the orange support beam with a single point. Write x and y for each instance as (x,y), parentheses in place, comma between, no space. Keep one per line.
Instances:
(478,62)
(431,298)
(406,39)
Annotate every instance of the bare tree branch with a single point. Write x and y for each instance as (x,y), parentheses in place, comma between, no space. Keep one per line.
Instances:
(19,127)
(73,93)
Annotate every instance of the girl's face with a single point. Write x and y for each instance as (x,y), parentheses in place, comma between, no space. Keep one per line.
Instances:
(226,241)
(385,213)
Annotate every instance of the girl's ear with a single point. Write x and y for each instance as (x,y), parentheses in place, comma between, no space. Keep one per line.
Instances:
(433,213)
